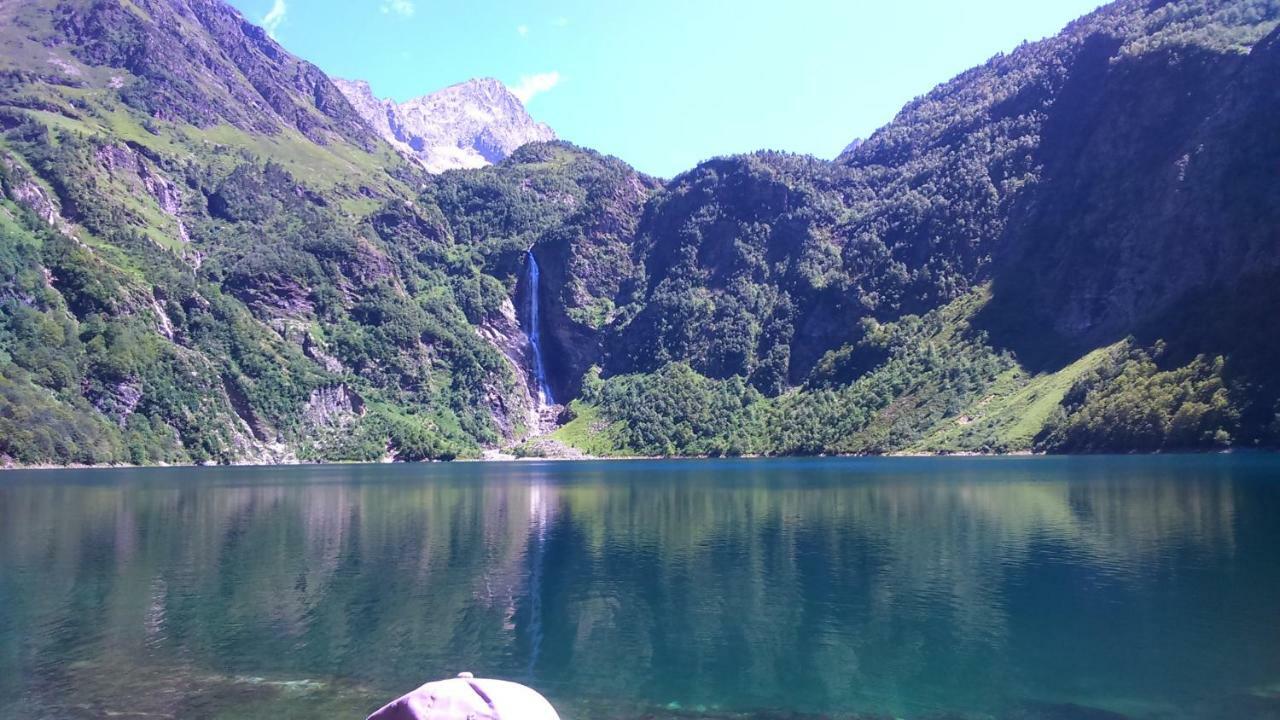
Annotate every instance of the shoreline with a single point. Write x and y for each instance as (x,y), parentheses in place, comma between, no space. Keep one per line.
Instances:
(507,458)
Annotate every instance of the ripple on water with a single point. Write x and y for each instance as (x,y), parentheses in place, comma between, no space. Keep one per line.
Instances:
(719,589)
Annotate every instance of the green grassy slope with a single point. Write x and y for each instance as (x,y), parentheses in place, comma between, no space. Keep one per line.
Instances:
(206,256)
(937,386)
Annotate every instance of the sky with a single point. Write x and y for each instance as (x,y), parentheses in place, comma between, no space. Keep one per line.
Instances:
(665,84)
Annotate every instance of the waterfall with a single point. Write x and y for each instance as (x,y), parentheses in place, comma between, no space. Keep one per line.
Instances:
(534,331)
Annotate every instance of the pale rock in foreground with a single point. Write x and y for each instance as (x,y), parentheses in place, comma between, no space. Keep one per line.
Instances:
(467,697)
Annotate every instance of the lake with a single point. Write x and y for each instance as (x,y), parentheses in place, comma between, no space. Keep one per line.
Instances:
(1025,588)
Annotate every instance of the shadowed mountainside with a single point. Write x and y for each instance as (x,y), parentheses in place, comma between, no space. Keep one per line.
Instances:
(206,254)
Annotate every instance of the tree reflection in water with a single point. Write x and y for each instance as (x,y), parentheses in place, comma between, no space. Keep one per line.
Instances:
(917,588)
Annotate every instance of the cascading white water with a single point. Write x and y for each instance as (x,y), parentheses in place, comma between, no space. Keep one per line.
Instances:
(534,331)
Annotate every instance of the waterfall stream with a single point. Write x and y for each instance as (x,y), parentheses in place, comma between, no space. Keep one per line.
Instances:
(534,331)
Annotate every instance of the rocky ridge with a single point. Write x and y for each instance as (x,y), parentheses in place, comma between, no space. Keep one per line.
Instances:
(1069,248)
(468,125)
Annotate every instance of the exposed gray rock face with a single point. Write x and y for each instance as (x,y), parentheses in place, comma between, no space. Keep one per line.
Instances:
(26,191)
(328,417)
(116,400)
(200,62)
(503,331)
(468,125)
(131,168)
(333,408)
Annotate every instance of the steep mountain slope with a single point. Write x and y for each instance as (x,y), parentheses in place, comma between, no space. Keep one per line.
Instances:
(914,216)
(1199,128)
(743,274)
(468,125)
(578,211)
(207,255)
(1103,182)
(198,62)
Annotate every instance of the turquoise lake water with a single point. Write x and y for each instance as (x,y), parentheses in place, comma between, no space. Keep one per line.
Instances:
(1091,588)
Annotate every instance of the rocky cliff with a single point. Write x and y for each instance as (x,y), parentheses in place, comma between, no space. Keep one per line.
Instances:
(468,125)
(211,253)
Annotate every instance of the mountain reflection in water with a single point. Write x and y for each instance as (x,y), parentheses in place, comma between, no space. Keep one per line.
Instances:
(1019,588)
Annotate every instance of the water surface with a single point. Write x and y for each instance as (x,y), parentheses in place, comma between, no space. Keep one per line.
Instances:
(1021,588)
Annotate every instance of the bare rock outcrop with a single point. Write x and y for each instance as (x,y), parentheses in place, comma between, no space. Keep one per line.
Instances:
(468,125)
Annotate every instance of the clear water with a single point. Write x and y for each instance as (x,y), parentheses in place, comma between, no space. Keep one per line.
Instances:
(534,330)
(900,588)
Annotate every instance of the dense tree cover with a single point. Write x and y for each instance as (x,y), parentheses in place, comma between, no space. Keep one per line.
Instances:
(1131,404)
(213,343)
(83,384)
(934,367)
(757,265)
(883,393)
(279,293)
(578,212)
(206,257)
(676,411)
(741,275)
(915,383)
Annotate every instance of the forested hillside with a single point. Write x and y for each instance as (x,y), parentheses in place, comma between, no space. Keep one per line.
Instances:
(1070,248)
(207,256)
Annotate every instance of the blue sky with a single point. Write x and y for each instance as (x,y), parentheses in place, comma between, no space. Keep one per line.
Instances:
(664,84)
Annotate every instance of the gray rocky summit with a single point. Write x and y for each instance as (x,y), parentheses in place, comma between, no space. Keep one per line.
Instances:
(468,125)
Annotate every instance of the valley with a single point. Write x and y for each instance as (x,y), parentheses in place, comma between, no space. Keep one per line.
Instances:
(211,252)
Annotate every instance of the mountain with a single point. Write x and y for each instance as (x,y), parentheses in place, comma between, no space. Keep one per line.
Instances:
(207,254)
(199,63)
(1067,248)
(468,125)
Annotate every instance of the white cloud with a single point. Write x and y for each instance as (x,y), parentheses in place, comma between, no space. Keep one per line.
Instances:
(403,8)
(522,30)
(271,21)
(532,85)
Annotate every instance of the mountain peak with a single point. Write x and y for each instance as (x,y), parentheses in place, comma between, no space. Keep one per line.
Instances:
(470,124)
(485,83)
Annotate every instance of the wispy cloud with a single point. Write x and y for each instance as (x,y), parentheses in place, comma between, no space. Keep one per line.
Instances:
(522,30)
(271,21)
(403,8)
(560,22)
(533,85)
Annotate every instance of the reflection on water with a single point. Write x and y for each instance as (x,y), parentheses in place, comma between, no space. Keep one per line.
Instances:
(1019,588)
